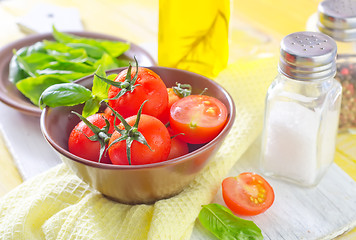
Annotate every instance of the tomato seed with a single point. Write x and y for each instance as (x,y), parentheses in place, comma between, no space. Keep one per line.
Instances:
(211,111)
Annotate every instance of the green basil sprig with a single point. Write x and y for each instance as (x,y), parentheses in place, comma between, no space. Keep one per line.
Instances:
(67,58)
(70,94)
(94,47)
(220,221)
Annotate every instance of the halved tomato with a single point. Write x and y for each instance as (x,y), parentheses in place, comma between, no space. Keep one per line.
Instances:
(247,194)
(199,117)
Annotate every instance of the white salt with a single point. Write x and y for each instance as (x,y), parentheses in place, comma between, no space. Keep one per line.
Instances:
(291,148)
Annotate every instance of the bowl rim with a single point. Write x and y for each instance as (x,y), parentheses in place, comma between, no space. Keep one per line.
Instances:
(23,104)
(228,125)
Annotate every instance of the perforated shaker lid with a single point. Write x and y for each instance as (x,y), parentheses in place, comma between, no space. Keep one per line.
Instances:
(337,18)
(307,56)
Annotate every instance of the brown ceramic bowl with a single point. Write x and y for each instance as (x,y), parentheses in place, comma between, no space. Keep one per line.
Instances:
(138,183)
(14,98)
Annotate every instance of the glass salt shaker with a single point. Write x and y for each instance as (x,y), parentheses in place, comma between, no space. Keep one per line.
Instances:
(302,110)
(337,19)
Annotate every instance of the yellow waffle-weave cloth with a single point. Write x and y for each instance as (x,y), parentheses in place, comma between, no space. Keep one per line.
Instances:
(58,205)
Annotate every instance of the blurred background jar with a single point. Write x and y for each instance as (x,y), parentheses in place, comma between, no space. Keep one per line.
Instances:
(337,18)
(193,35)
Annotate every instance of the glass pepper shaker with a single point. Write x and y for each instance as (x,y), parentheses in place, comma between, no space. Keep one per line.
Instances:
(302,110)
(337,19)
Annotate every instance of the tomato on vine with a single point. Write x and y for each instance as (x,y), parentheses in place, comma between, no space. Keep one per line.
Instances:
(132,87)
(89,137)
(139,139)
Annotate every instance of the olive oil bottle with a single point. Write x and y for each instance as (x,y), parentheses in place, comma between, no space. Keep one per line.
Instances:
(193,35)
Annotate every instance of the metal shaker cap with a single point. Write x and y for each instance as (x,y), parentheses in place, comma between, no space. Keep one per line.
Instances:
(307,56)
(337,18)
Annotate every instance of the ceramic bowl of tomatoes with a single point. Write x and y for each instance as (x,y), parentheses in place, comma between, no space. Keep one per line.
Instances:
(150,172)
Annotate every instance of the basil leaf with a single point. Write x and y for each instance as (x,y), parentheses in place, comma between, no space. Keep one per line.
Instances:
(91,107)
(112,76)
(38,47)
(73,55)
(56,46)
(69,75)
(114,48)
(92,51)
(23,65)
(16,73)
(80,51)
(100,88)
(32,87)
(51,62)
(65,94)
(71,66)
(225,225)
(37,61)
(107,62)
(123,62)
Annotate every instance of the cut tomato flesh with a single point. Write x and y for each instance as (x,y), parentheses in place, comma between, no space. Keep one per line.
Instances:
(200,118)
(247,194)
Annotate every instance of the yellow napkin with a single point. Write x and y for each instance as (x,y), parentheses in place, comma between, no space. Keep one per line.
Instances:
(58,205)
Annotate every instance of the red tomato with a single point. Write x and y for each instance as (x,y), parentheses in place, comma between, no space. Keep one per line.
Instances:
(109,112)
(199,117)
(150,87)
(80,145)
(172,98)
(247,194)
(156,135)
(178,147)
